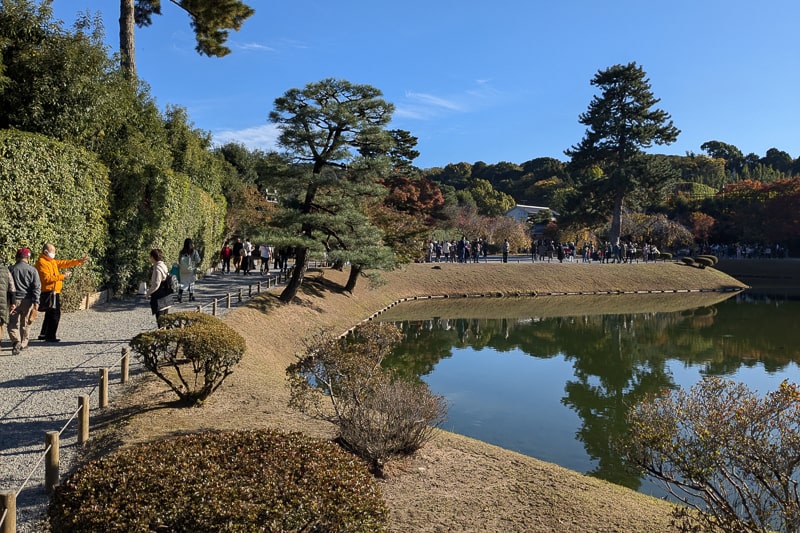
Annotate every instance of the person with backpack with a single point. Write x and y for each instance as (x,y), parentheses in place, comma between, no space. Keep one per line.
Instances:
(188,261)
(160,287)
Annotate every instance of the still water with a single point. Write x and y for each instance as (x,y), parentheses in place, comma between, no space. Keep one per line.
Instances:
(554,378)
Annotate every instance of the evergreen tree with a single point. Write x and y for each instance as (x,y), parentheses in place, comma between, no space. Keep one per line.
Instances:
(211,20)
(325,127)
(621,122)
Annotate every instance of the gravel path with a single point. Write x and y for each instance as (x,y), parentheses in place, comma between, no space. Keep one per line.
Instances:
(39,388)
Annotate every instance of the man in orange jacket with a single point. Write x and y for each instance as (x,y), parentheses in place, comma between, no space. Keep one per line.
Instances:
(52,279)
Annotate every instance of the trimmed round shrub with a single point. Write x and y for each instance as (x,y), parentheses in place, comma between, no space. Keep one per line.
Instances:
(200,349)
(713,258)
(243,481)
(665,256)
(688,261)
(703,262)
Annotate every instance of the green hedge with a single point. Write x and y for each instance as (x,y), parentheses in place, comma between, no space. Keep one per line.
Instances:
(54,192)
(161,213)
(244,481)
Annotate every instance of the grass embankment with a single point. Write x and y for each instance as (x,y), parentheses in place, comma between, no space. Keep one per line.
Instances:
(454,483)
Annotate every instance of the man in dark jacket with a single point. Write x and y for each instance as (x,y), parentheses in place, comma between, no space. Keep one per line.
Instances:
(28,289)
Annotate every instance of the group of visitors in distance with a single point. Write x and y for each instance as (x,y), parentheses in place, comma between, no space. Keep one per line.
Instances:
(27,290)
(466,251)
(246,257)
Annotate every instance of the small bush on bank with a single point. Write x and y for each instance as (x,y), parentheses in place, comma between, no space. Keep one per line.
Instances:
(378,415)
(703,262)
(665,256)
(204,345)
(713,258)
(245,481)
(688,261)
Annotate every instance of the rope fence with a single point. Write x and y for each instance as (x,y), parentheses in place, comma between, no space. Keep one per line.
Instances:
(50,455)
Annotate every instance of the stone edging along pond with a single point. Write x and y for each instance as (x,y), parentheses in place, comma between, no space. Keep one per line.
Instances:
(533,294)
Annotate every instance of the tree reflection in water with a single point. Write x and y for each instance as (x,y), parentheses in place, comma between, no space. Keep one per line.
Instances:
(616,359)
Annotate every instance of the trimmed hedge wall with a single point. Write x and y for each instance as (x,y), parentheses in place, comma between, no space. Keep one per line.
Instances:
(54,192)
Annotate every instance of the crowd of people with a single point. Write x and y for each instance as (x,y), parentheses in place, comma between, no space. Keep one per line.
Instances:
(546,250)
(26,291)
(247,258)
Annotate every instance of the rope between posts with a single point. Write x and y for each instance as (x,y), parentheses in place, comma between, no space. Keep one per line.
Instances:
(71,419)
(41,458)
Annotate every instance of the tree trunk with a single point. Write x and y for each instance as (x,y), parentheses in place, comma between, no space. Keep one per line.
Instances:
(355,272)
(127,43)
(299,270)
(616,219)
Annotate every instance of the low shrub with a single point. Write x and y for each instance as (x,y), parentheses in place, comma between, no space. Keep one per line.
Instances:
(665,256)
(703,262)
(713,258)
(378,414)
(244,481)
(203,343)
(688,261)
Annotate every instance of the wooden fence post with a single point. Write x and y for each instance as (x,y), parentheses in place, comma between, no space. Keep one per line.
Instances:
(228,301)
(51,461)
(125,365)
(8,503)
(240,295)
(214,307)
(249,291)
(258,288)
(103,391)
(83,419)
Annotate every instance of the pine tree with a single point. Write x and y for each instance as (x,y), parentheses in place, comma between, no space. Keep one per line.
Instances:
(621,123)
(326,127)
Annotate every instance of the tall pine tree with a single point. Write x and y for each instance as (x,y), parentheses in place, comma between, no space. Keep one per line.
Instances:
(621,123)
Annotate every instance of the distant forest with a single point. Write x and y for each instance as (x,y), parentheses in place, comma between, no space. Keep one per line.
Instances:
(546,181)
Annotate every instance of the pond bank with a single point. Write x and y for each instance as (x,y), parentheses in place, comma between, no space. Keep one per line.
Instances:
(455,483)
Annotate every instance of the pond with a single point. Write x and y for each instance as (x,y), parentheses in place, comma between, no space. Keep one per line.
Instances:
(553,377)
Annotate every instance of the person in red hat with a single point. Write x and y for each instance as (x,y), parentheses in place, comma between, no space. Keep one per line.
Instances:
(52,279)
(28,288)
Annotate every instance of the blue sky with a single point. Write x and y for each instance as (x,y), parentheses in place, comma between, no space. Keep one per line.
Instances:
(487,81)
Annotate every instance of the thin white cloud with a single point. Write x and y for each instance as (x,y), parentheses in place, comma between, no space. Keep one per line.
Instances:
(426,106)
(434,101)
(259,137)
(255,47)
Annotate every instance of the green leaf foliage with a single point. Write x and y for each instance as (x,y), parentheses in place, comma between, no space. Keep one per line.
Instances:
(193,353)
(246,481)
(53,192)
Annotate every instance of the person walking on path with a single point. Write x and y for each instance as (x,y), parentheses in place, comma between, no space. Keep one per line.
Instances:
(238,246)
(28,289)
(159,283)
(52,280)
(7,290)
(506,246)
(188,261)
(226,255)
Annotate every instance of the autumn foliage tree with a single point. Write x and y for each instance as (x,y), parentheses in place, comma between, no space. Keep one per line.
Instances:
(729,453)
